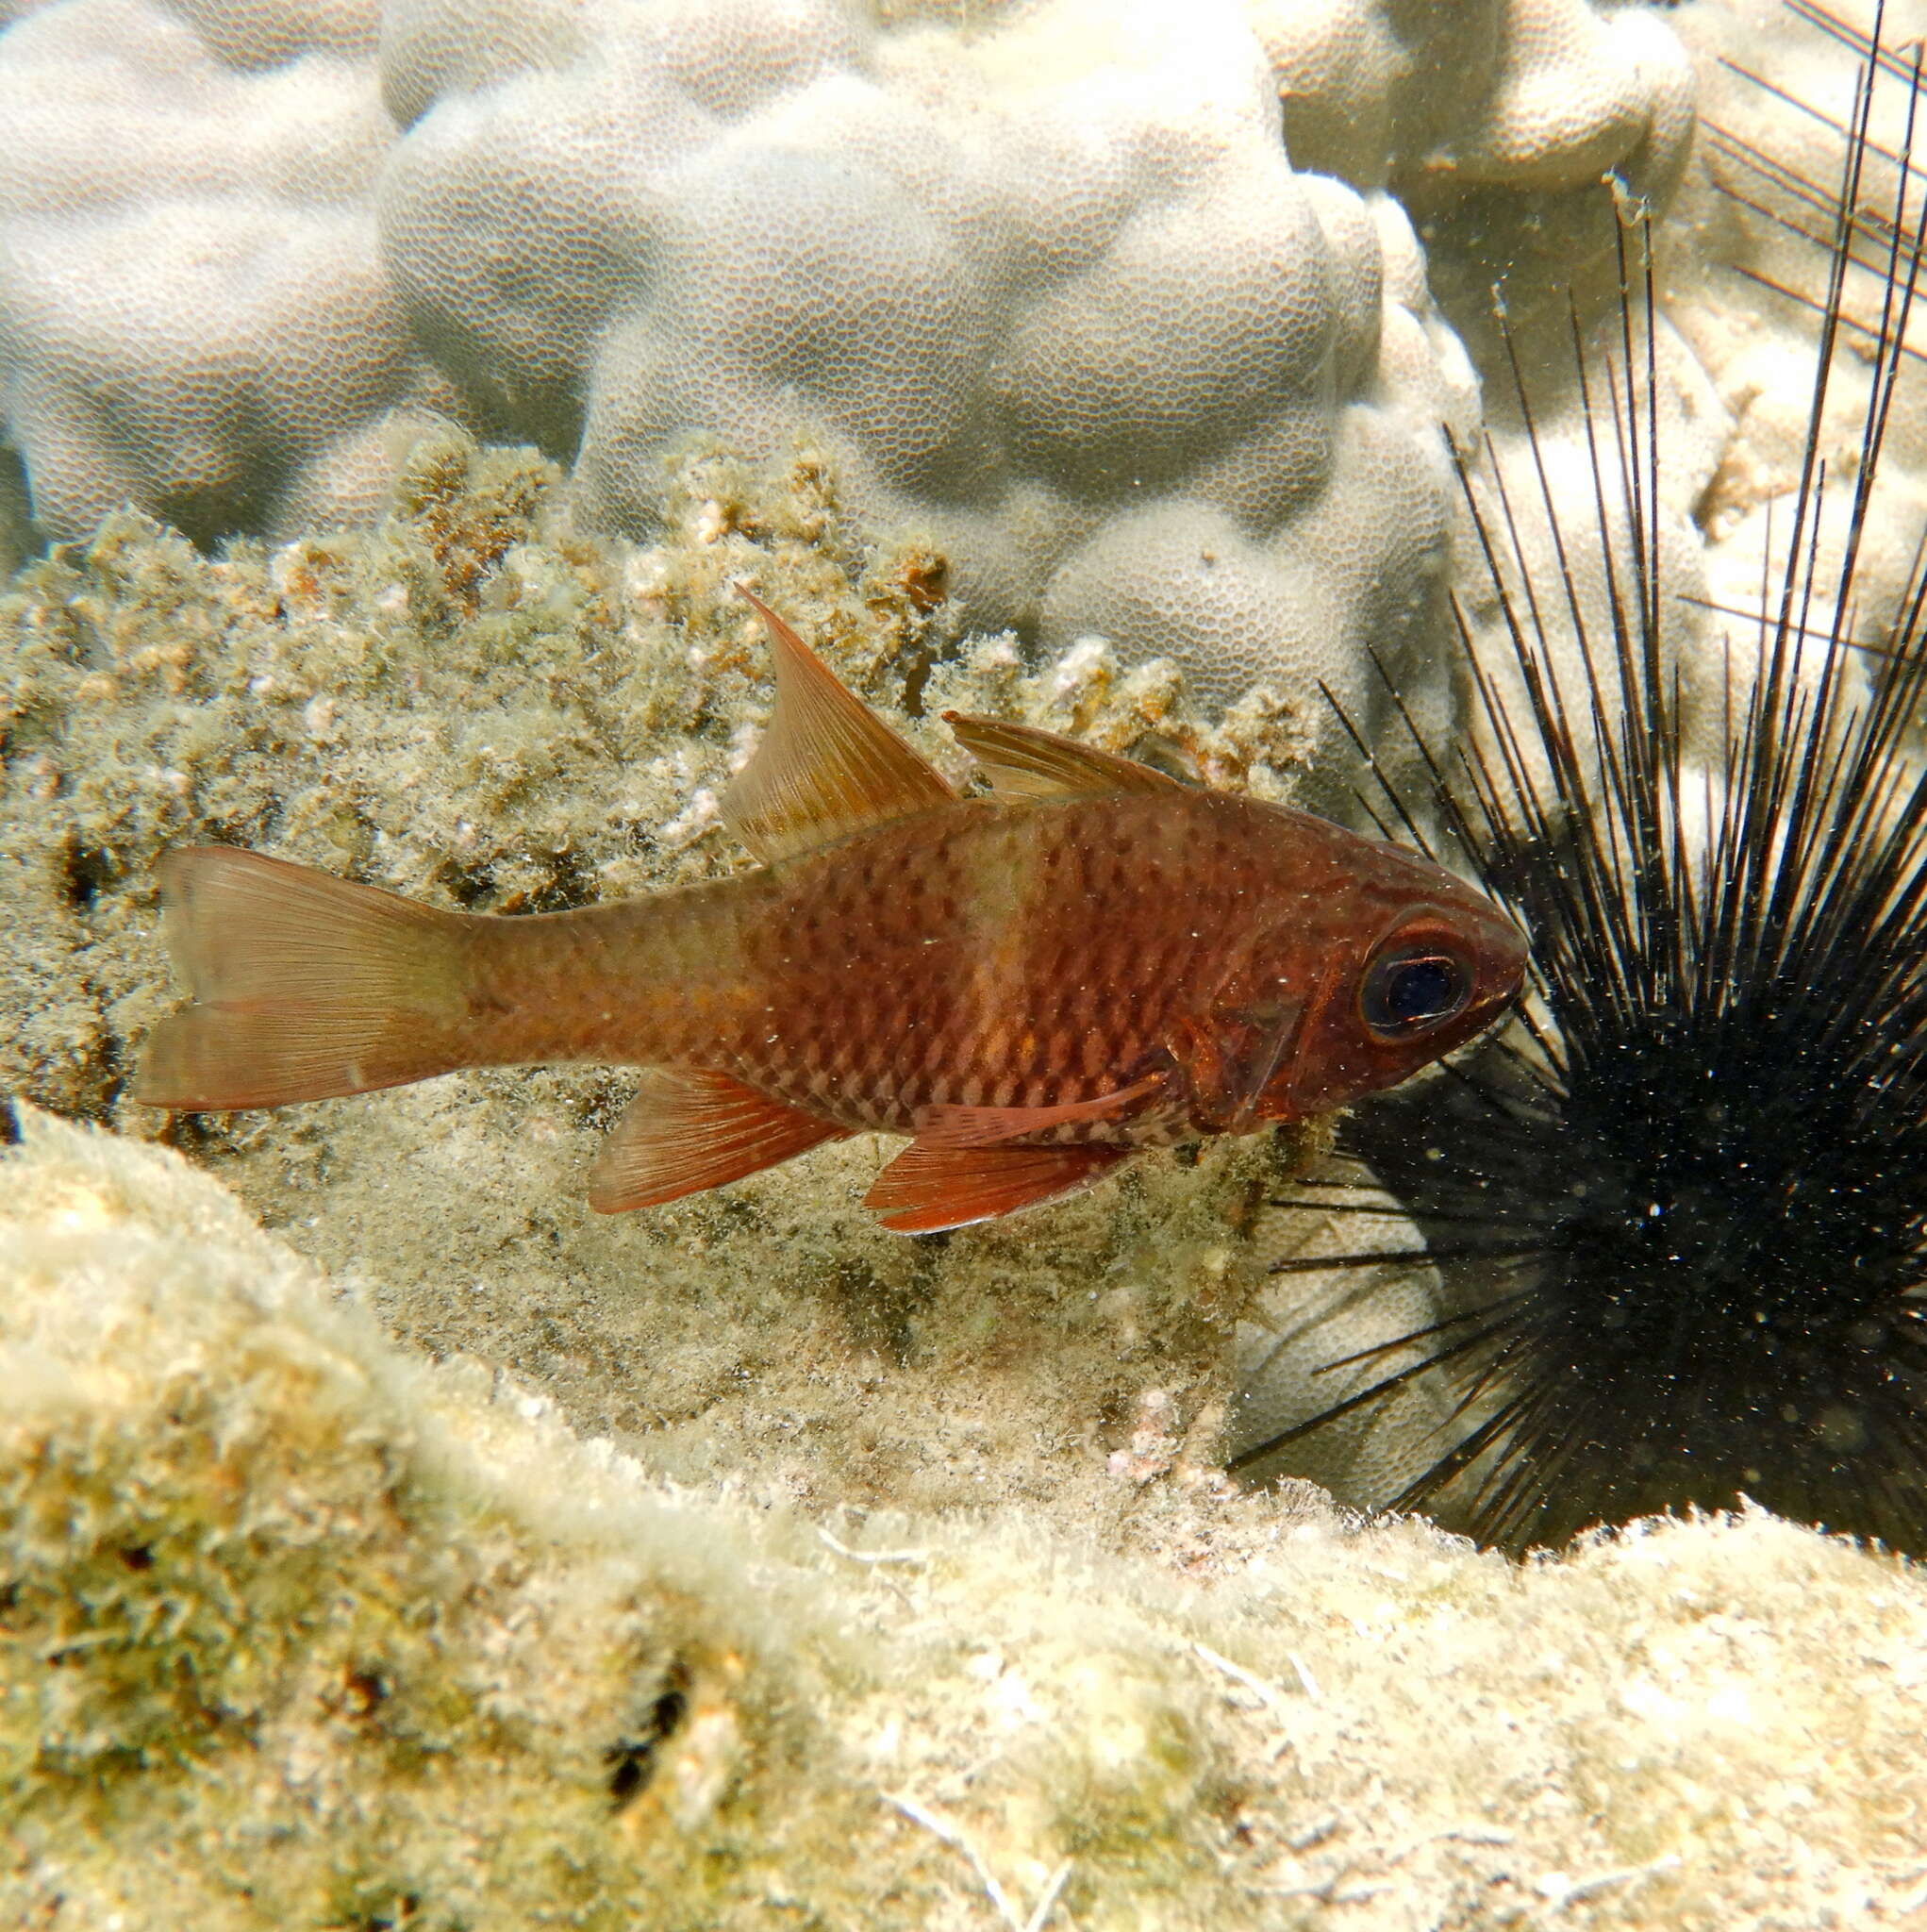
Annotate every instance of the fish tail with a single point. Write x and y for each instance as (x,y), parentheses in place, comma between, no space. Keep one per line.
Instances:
(304,986)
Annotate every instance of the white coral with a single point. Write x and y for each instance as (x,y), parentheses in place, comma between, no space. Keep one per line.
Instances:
(1050,290)
(193,312)
(1055,293)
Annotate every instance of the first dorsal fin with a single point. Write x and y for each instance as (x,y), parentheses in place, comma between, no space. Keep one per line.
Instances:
(827,766)
(1024,762)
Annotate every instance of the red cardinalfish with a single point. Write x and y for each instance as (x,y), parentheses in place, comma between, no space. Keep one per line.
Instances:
(1092,958)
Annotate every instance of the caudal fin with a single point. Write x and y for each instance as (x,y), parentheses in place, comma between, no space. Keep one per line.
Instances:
(304,986)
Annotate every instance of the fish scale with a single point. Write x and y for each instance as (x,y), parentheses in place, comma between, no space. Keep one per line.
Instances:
(1092,958)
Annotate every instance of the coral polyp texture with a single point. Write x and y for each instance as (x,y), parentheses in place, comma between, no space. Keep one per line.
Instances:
(1055,296)
(194,315)
(1058,288)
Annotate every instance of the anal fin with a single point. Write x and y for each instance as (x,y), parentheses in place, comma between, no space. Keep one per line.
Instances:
(687,1130)
(927,1189)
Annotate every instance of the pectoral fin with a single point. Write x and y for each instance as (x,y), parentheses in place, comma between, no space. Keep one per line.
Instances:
(686,1131)
(992,1127)
(927,1189)
(1232,1061)
(1265,1043)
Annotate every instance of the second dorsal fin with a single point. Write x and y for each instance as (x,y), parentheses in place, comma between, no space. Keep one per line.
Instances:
(827,766)
(1024,762)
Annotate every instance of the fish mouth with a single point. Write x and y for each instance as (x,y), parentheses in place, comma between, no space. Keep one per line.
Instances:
(1516,948)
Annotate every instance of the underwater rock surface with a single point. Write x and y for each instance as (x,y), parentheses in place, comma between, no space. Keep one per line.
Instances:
(451,1557)
(303,1630)
(447,1555)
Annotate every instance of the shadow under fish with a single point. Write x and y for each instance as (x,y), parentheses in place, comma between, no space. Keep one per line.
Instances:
(1090,959)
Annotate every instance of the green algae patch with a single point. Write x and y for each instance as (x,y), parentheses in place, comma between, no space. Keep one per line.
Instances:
(255,1590)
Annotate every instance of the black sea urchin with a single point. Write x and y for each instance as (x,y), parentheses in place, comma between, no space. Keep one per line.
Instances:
(1681,1202)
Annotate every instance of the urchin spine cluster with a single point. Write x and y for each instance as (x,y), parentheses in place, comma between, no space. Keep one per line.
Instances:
(1681,1202)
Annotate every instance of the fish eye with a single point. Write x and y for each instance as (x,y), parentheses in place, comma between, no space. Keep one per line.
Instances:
(1412,987)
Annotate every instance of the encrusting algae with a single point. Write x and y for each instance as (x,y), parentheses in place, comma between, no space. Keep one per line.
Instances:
(299,1631)
(1094,959)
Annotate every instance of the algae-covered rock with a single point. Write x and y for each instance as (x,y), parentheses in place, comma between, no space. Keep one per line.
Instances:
(738,1562)
(290,1637)
(298,1630)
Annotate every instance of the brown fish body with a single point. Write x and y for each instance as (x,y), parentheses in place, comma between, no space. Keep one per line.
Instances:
(1092,960)
(998,953)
